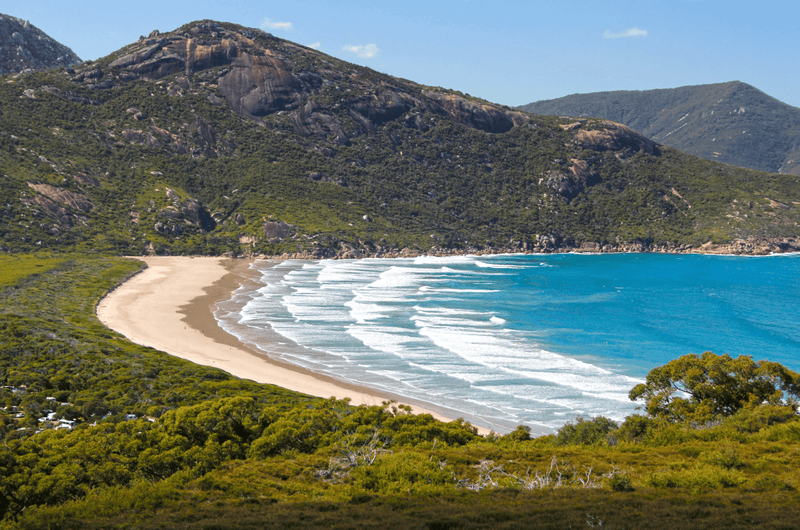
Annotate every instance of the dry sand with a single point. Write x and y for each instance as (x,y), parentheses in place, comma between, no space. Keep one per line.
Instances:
(169,307)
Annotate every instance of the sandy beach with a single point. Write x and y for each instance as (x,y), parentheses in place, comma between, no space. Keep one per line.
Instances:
(169,307)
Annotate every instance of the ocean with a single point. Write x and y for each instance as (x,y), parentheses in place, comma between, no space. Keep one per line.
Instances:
(511,340)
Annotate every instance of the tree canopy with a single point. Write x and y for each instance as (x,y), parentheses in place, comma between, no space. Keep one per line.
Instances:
(701,387)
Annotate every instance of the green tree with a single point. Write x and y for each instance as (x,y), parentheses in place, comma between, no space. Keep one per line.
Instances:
(699,388)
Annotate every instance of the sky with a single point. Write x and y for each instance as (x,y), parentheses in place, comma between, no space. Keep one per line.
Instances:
(508,52)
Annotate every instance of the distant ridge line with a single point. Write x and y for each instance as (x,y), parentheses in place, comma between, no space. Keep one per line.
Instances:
(734,123)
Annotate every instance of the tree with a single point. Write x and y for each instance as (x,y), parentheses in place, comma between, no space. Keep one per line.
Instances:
(699,388)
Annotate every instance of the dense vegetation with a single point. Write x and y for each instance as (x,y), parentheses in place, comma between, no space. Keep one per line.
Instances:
(160,442)
(116,158)
(733,122)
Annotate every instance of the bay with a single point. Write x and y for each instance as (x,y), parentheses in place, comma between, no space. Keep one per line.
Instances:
(517,339)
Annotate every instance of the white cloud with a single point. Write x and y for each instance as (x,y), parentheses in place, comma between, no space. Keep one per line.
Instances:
(269,24)
(633,32)
(315,46)
(365,52)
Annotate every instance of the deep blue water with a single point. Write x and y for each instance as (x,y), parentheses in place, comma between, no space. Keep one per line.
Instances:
(518,339)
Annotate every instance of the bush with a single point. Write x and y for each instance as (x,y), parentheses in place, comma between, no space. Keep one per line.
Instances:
(635,428)
(401,473)
(620,482)
(586,432)
(521,434)
(702,476)
(725,458)
(753,419)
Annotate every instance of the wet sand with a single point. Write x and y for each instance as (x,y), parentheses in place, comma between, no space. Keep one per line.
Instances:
(169,307)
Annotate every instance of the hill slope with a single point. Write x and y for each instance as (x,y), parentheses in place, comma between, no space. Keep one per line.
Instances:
(26,47)
(733,123)
(216,138)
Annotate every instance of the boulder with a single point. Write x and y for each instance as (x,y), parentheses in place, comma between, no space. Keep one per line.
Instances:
(70,198)
(277,230)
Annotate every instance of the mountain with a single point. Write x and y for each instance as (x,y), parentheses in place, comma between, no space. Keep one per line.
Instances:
(26,47)
(733,123)
(215,138)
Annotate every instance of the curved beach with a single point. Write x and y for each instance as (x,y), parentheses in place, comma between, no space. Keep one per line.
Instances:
(169,305)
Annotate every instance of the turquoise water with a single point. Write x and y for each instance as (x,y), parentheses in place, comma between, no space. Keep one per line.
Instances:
(518,339)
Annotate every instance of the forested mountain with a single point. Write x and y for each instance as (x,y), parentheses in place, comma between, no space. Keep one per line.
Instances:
(216,138)
(733,123)
(26,47)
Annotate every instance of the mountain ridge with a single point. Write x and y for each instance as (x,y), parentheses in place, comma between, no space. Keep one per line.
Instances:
(733,122)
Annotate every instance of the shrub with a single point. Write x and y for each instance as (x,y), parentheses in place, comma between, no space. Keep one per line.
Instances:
(586,432)
(725,458)
(620,482)
(702,476)
(753,419)
(635,428)
(401,473)
(521,434)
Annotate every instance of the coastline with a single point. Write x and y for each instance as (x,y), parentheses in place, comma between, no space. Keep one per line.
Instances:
(168,306)
(762,246)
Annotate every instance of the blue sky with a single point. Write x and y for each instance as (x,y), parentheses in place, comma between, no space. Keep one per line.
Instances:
(510,52)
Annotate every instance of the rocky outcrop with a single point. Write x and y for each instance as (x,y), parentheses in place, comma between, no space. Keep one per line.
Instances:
(181,214)
(258,80)
(384,106)
(260,85)
(200,57)
(66,197)
(544,244)
(23,47)
(599,136)
(608,135)
(615,137)
(489,118)
(753,247)
(276,231)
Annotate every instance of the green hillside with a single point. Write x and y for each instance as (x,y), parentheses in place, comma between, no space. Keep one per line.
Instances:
(733,122)
(216,138)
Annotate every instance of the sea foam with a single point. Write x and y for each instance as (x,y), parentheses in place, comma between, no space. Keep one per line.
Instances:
(507,340)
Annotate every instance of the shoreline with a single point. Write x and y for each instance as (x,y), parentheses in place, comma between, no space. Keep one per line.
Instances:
(545,245)
(168,306)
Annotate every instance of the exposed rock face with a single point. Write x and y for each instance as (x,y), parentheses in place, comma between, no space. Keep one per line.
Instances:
(277,230)
(60,195)
(187,212)
(258,86)
(615,136)
(194,212)
(26,47)
(487,118)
